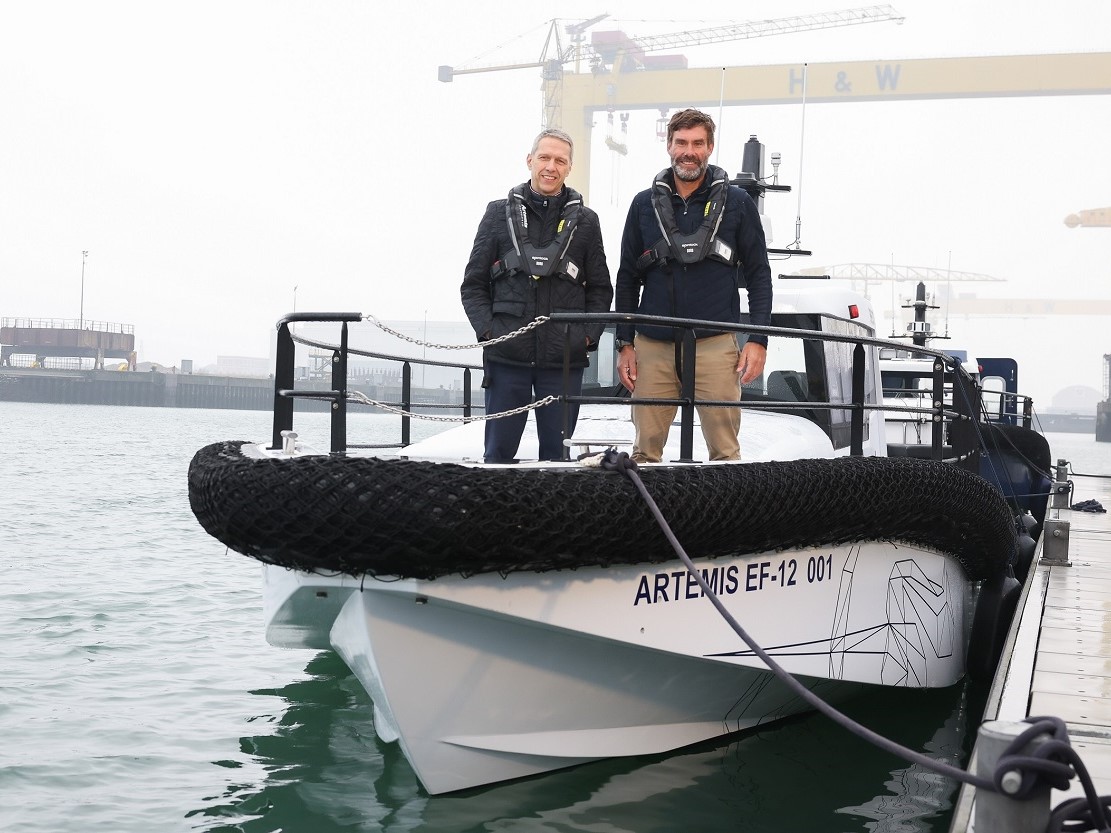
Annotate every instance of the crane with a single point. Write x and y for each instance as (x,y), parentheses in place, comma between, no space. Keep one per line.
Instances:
(964,305)
(614,51)
(622,53)
(882,272)
(1089,217)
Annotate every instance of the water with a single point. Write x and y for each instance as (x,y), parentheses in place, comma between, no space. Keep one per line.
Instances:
(138,693)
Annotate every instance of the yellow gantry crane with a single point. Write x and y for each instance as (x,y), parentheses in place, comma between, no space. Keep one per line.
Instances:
(1089,217)
(621,74)
(615,52)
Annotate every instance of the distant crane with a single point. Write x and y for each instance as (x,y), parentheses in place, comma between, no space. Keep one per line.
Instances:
(965,305)
(883,272)
(1089,217)
(615,51)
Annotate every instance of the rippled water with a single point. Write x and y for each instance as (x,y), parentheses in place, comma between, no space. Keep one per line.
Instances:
(138,693)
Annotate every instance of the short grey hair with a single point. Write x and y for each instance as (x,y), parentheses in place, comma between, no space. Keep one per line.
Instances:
(554,133)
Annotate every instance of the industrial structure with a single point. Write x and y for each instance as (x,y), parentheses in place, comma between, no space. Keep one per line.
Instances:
(613,54)
(863,275)
(29,342)
(1089,217)
(614,72)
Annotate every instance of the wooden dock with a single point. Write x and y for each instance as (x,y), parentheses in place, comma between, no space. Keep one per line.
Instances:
(1057,661)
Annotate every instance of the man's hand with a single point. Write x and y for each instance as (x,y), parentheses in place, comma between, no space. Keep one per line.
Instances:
(750,364)
(627,366)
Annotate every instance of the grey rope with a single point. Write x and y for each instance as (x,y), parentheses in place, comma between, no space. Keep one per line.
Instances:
(1054,762)
(620,461)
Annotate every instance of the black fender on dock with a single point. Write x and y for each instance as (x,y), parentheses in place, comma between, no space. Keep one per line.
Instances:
(994,610)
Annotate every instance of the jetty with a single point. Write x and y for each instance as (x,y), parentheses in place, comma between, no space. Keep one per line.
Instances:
(1103,409)
(85,362)
(1057,659)
(164,388)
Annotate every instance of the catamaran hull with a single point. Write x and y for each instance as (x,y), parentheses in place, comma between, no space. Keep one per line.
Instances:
(484,679)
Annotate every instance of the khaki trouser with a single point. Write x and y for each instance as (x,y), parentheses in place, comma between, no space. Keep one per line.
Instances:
(715,378)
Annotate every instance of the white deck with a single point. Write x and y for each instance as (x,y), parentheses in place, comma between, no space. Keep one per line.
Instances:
(1061,659)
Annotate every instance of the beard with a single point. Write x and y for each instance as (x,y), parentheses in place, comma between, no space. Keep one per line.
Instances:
(688,175)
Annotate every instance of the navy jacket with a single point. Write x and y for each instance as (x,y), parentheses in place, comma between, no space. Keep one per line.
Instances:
(707,289)
(497,307)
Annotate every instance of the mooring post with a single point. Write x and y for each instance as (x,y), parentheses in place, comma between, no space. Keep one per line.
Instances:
(1001,812)
(1059,492)
(1055,543)
(1055,531)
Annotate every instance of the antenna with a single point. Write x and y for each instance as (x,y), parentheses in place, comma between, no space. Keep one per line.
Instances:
(802,149)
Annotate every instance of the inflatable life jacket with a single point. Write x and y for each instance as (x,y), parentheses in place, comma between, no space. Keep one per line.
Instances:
(538,261)
(688,248)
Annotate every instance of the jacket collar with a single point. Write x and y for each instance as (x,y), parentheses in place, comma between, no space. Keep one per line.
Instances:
(666,177)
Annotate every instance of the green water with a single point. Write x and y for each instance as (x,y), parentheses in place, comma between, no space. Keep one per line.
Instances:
(138,693)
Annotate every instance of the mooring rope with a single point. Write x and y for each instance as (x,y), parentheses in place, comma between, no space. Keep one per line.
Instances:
(1053,762)
(1075,473)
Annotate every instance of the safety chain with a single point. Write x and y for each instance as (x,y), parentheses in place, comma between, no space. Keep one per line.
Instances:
(362,398)
(532,325)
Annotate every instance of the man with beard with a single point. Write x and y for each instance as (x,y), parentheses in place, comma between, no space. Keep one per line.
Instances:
(537,251)
(690,242)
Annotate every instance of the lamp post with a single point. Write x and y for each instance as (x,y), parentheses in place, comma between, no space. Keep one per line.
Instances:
(84,255)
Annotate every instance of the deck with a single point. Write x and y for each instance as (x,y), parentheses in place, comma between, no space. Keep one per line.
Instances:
(1058,657)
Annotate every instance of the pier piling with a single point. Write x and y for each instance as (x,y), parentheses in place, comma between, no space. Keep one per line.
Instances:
(1002,812)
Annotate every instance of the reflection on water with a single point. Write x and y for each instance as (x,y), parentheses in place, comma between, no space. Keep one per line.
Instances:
(133,643)
(327,771)
(325,767)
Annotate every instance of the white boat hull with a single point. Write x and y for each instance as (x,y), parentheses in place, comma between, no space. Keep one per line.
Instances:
(486,678)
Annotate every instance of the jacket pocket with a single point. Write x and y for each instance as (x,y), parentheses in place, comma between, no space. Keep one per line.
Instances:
(516,309)
(576,334)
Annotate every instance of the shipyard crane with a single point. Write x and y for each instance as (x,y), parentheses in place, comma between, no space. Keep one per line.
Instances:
(964,305)
(614,51)
(1089,217)
(890,273)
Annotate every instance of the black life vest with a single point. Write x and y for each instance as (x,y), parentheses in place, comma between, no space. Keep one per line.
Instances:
(539,261)
(688,248)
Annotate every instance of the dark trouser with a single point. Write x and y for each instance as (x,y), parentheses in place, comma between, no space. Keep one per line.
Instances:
(508,387)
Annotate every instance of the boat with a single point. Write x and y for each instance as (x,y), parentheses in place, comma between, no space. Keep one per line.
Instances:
(907,377)
(1009,453)
(510,620)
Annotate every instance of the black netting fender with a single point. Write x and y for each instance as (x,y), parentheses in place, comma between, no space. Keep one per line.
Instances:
(409,518)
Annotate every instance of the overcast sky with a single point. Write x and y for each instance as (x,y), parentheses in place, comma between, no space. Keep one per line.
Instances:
(213,156)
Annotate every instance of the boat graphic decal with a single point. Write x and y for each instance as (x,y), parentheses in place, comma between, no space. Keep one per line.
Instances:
(921,627)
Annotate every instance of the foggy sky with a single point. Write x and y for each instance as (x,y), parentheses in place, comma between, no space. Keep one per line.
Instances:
(213,156)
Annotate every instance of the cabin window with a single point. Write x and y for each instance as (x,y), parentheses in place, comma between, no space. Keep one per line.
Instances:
(994,398)
(785,376)
(839,377)
(794,371)
(601,372)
